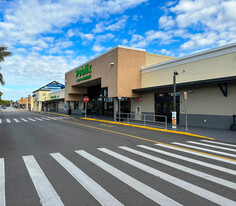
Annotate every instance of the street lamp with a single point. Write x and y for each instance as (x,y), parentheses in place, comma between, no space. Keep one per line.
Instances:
(174,116)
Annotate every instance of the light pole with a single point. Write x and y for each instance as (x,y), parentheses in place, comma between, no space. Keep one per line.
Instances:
(174,116)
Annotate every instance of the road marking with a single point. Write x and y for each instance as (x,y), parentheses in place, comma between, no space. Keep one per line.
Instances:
(24,120)
(221,143)
(194,161)
(8,121)
(211,196)
(2,183)
(32,119)
(45,118)
(16,120)
(204,149)
(147,191)
(198,154)
(191,171)
(52,118)
(213,146)
(38,119)
(46,192)
(99,193)
(0,121)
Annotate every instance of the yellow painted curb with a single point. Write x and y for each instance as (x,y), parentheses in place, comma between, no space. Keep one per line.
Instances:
(150,128)
(64,115)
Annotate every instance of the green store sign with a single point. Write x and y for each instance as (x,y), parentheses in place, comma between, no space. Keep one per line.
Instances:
(86,69)
(52,97)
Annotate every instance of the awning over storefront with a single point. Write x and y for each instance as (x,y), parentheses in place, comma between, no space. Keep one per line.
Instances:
(218,81)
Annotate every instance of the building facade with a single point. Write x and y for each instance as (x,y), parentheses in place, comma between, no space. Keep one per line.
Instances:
(144,83)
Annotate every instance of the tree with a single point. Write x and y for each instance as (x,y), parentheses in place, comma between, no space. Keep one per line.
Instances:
(3,53)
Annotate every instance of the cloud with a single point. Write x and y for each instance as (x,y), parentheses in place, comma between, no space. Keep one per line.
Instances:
(201,23)
(98,48)
(108,26)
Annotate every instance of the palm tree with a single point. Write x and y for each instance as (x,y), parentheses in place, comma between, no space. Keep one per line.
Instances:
(3,53)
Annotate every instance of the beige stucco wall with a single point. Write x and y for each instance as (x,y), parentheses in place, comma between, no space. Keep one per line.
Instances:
(210,101)
(216,67)
(147,103)
(156,58)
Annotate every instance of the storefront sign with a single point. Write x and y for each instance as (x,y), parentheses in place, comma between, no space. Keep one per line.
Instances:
(86,69)
(52,97)
(137,99)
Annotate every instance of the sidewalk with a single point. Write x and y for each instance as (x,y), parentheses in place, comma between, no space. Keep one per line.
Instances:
(219,134)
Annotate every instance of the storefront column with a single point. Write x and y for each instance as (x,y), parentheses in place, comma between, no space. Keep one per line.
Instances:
(115,107)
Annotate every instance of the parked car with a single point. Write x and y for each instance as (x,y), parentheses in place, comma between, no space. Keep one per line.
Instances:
(4,107)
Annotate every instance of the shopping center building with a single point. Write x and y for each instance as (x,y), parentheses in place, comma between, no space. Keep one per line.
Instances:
(144,83)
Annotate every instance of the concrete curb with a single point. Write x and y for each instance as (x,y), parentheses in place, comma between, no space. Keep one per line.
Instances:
(150,128)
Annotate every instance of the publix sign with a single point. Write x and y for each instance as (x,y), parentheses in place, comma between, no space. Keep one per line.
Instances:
(86,69)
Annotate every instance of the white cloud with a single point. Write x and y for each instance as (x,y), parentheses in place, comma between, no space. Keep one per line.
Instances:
(98,48)
(108,26)
(201,23)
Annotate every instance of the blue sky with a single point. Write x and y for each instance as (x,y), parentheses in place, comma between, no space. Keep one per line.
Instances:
(49,37)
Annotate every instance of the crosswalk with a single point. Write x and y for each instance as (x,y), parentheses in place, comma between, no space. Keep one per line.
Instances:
(209,175)
(29,119)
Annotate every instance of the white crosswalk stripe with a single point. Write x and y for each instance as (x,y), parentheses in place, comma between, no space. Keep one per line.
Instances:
(211,196)
(205,149)
(42,185)
(2,183)
(45,118)
(0,121)
(220,143)
(149,192)
(24,120)
(213,146)
(198,154)
(198,162)
(197,173)
(16,120)
(179,166)
(53,118)
(100,194)
(38,119)
(8,120)
(32,119)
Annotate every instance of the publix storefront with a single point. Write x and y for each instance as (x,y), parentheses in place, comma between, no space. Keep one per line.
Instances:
(107,78)
(144,84)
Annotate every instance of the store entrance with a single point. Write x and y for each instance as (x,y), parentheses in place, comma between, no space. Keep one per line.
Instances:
(99,103)
(164,105)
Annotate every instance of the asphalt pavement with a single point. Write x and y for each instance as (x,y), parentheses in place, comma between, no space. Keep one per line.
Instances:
(58,160)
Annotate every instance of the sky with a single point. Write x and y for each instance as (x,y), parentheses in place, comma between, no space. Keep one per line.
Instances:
(50,37)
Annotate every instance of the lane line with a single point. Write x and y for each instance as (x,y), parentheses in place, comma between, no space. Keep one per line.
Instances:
(99,193)
(32,119)
(198,154)
(24,120)
(46,192)
(187,159)
(38,119)
(8,121)
(213,146)
(147,191)
(16,120)
(220,143)
(191,171)
(2,183)
(145,139)
(204,149)
(211,196)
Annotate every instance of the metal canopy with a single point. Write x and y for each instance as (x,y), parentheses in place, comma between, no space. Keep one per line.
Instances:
(51,86)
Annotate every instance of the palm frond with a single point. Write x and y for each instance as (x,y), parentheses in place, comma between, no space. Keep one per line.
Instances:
(1,80)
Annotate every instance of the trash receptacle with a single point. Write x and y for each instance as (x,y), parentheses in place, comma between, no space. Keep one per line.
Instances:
(69,112)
